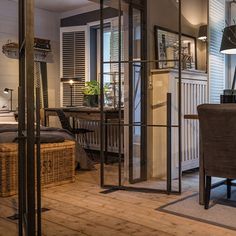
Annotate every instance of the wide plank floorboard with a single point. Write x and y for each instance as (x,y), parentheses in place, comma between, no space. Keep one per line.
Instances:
(81,209)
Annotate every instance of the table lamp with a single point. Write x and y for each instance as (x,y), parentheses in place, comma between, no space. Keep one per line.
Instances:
(228,46)
(71,81)
(7,91)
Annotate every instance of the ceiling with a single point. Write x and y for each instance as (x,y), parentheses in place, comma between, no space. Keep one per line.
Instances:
(60,5)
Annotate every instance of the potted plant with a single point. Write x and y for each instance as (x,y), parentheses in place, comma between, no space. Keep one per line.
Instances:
(91,93)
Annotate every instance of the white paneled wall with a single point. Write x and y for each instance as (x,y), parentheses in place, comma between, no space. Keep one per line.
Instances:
(47,25)
(194,92)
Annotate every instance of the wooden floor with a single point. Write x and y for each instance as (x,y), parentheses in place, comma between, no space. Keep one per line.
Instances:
(80,209)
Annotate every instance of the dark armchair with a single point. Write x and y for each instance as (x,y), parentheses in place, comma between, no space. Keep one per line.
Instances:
(76,132)
(65,124)
(218,138)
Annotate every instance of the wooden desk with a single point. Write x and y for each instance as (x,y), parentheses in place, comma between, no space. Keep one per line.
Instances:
(201,169)
(83,113)
(90,115)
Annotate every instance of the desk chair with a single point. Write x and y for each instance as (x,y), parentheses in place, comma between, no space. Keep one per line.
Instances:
(218,138)
(74,131)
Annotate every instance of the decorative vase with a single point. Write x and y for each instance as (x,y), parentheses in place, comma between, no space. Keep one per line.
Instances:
(90,100)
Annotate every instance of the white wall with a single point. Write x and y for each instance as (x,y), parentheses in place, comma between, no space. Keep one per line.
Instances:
(8,67)
(46,26)
(165,14)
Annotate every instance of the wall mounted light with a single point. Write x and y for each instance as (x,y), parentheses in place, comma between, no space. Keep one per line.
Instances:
(7,91)
(202,36)
(202,33)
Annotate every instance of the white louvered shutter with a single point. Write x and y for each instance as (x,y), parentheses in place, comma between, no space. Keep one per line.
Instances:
(216,59)
(73,65)
(114,51)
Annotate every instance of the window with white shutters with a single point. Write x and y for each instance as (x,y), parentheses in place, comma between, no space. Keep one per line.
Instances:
(73,66)
(216,59)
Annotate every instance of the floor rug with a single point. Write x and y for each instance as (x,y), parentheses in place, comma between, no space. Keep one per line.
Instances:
(222,212)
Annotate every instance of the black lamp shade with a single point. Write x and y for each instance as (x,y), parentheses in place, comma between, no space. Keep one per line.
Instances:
(202,34)
(228,44)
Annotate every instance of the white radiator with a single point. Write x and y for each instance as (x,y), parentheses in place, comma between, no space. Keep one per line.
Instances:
(92,140)
(194,92)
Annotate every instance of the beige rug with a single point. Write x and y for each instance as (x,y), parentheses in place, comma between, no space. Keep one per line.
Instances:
(222,212)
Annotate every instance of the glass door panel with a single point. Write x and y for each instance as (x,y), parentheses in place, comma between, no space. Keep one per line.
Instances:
(136,96)
(143,160)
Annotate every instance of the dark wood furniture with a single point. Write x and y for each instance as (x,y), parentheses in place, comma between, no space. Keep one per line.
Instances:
(202,179)
(111,116)
(76,132)
(227,98)
(218,144)
(84,113)
(65,123)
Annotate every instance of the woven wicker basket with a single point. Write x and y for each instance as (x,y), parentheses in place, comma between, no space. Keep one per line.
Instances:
(57,165)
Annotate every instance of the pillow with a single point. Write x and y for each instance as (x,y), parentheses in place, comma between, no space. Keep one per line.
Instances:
(48,138)
(51,138)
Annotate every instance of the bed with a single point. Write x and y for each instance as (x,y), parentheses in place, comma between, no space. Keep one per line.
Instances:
(58,152)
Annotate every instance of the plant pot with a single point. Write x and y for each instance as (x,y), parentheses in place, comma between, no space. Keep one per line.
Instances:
(91,100)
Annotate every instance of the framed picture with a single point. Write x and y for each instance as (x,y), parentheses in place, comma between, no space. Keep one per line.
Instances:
(167,48)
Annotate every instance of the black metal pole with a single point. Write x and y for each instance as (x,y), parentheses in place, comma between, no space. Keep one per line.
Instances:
(120,95)
(144,83)
(180,97)
(38,166)
(131,176)
(21,152)
(71,95)
(21,120)
(29,55)
(169,150)
(101,97)
(11,98)
(234,81)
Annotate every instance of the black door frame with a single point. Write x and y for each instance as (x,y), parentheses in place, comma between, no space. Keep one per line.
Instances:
(143,147)
(29,201)
(138,4)
(29,192)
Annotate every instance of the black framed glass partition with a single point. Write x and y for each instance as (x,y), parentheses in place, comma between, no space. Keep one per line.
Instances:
(28,160)
(135,164)
(137,152)
(142,141)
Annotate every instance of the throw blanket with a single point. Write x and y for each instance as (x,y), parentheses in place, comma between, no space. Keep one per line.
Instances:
(8,134)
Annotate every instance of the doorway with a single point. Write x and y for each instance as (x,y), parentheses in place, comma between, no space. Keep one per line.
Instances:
(131,170)
(133,167)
